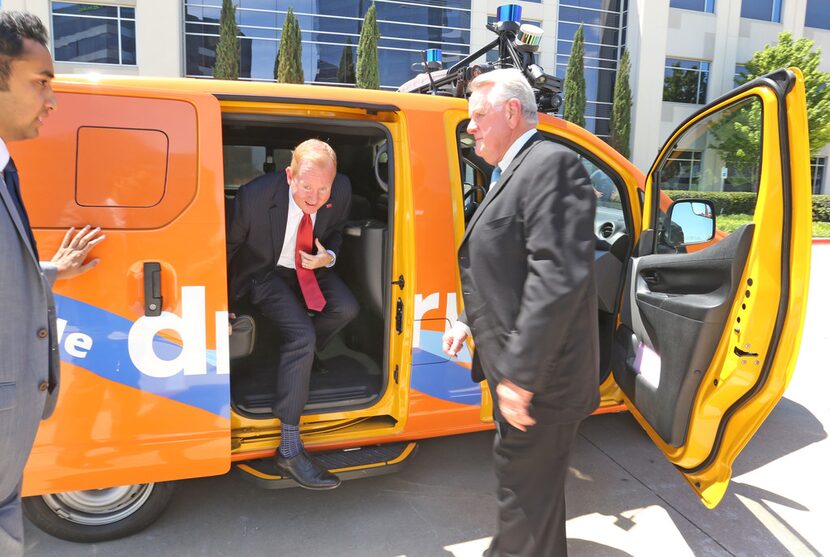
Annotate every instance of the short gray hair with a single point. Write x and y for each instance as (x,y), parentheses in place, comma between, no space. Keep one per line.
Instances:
(509,83)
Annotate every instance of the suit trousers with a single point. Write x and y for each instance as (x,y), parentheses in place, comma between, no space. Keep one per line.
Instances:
(18,427)
(531,468)
(279,298)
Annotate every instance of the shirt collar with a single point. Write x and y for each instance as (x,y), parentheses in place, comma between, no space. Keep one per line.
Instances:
(514,149)
(4,155)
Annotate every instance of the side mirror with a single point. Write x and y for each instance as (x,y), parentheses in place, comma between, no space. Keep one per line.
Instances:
(689,221)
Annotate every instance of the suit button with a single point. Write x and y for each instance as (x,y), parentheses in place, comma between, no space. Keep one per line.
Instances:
(42,333)
(43,385)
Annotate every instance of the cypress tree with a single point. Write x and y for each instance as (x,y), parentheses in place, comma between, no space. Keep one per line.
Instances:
(290,54)
(575,81)
(367,52)
(345,70)
(620,137)
(227,49)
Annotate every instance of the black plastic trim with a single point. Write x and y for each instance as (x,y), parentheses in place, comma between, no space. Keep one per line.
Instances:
(368,107)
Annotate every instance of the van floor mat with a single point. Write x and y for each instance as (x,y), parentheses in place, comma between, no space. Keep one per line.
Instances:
(348,464)
(343,381)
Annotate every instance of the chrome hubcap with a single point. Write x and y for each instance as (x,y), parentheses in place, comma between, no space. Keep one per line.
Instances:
(96,507)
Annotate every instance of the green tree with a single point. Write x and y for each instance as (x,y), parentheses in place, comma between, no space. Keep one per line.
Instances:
(367,52)
(227,49)
(800,53)
(620,137)
(345,70)
(290,54)
(574,110)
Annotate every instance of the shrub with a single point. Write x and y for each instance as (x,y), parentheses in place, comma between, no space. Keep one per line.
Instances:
(743,203)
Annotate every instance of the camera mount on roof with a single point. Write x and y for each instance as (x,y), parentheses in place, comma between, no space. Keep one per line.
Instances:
(517,46)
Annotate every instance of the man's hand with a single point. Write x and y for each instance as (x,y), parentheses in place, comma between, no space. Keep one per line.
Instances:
(71,255)
(322,259)
(454,339)
(514,404)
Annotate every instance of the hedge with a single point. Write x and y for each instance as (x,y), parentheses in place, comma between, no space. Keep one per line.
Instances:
(739,202)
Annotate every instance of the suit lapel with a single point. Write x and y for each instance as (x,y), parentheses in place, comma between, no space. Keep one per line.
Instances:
(10,207)
(278,215)
(505,177)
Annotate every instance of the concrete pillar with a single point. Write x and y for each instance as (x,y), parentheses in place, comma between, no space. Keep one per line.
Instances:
(160,38)
(646,43)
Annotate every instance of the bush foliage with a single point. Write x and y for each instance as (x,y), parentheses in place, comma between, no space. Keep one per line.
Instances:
(743,203)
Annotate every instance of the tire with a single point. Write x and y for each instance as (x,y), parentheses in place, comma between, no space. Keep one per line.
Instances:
(98,515)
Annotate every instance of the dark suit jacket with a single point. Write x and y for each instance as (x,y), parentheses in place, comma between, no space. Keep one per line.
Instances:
(257,228)
(527,276)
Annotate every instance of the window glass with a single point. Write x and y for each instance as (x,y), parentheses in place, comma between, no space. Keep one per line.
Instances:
(609,220)
(818,14)
(707,6)
(817,168)
(720,153)
(765,10)
(93,33)
(327,28)
(740,74)
(243,163)
(685,81)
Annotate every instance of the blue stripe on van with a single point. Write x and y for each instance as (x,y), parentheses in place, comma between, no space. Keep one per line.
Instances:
(436,376)
(109,358)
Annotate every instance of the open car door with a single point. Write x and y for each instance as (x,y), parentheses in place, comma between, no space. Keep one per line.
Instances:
(711,320)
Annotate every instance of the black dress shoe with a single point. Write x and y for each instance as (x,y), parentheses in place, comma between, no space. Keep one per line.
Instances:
(307,472)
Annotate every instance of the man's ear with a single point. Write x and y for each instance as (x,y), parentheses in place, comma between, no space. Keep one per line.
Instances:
(288,174)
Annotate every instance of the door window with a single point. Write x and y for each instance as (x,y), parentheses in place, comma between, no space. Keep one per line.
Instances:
(718,158)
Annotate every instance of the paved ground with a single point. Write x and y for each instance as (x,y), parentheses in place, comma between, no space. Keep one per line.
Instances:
(624,498)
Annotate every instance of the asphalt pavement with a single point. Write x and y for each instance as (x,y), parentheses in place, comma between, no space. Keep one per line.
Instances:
(623,497)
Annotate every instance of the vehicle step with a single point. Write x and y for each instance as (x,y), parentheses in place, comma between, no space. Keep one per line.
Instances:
(348,464)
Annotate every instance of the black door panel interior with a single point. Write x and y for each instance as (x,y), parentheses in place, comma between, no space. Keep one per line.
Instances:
(667,339)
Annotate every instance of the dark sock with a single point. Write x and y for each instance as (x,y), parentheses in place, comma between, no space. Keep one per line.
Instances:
(290,444)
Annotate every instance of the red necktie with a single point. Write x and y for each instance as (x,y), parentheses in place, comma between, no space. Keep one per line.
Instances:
(314,299)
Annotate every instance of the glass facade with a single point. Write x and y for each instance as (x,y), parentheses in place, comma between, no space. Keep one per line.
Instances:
(685,81)
(707,6)
(328,27)
(765,10)
(603,25)
(93,33)
(818,14)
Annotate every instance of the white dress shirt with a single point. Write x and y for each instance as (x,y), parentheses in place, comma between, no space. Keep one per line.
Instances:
(4,156)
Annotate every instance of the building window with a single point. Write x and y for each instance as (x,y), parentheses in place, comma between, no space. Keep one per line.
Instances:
(682,171)
(328,29)
(603,26)
(765,10)
(93,33)
(817,14)
(741,74)
(817,166)
(707,6)
(685,81)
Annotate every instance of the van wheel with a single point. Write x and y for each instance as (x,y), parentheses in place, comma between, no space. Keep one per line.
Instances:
(97,515)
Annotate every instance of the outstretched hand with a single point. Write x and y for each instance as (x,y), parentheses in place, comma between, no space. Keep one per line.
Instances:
(70,259)
(321,259)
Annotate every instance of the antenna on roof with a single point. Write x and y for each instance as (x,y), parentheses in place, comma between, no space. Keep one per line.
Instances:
(518,46)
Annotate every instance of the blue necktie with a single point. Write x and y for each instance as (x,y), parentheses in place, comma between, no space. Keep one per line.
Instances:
(494,177)
(13,185)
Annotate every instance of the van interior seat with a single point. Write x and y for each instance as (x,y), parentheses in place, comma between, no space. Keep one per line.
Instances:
(361,263)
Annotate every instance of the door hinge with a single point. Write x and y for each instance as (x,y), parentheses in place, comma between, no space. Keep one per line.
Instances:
(399,316)
(395,375)
(400,282)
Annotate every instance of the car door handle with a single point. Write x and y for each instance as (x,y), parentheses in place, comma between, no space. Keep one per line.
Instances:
(152,288)
(651,277)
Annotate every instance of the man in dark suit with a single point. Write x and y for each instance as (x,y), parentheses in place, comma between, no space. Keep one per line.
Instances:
(274,265)
(30,371)
(527,276)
